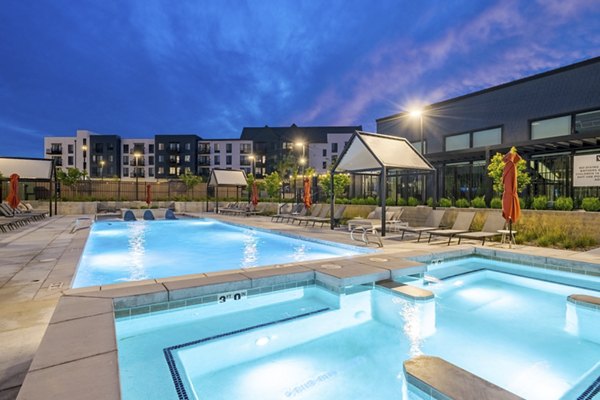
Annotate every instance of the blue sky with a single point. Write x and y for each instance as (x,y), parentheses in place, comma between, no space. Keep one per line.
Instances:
(141,67)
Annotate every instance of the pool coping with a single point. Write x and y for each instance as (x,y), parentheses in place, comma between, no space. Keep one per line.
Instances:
(80,342)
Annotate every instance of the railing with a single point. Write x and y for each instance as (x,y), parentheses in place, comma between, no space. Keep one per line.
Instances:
(54,150)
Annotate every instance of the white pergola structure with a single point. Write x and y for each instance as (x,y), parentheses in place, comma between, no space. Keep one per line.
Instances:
(30,170)
(228,178)
(375,154)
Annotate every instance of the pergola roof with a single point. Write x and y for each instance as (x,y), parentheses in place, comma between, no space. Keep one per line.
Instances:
(370,152)
(227,177)
(26,168)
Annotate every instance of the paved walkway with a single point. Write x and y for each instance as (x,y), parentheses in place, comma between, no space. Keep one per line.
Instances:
(38,262)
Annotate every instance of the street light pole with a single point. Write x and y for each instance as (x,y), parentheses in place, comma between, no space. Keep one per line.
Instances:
(102,170)
(84,149)
(135,172)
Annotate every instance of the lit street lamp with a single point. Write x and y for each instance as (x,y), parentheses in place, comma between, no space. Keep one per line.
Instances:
(84,149)
(102,162)
(135,172)
(253,159)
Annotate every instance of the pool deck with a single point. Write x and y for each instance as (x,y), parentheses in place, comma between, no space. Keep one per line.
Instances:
(37,264)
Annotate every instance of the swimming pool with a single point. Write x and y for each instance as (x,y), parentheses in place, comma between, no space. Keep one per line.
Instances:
(130,251)
(308,343)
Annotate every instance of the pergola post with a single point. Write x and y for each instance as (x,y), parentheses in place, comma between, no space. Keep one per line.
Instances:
(382,197)
(435,188)
(332,201)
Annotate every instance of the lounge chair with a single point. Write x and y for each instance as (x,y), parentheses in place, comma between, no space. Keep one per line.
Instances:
(315,212)
(296,210)
(129,216)
(148,216)
(169,214)
(337,215)
(492,225)
(461,225)
(433,221)
(17,218)
(373,220)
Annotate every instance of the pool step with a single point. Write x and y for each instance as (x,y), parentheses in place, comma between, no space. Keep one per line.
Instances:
(585,300)
(407,291)
(442,380)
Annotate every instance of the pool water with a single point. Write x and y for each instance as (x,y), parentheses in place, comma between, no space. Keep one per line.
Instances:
(307,343)
(129,251)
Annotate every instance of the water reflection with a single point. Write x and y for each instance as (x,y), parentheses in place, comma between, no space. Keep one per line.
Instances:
(299,253)
(250,252)
(137,251)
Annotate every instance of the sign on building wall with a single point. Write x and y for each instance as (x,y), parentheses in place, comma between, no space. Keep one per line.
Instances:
(586,170)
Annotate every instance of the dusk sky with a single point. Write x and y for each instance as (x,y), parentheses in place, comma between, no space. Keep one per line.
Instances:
(140,67)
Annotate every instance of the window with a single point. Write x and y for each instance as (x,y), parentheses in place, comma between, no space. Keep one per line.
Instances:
(172,170)
(458,142)
(487,137)
(151,148)
(245,148)
(228,148)
(216,148)
(125,148)
(150,171)
(161,170)
(70,148)
(324,164)
(333,159)
(552,127)
(161,158)
(125,159)
(188,170)
(187,158)
(94,158)
(111,158)
(334,147)
(244,160)
(125,171)
(70,160)
(174,146)
(228,160)
(99,148)
(110,146)
(161,146)
(217,160)
(417,146)
(324,152)
(150,160)
(588,122)
(188,146)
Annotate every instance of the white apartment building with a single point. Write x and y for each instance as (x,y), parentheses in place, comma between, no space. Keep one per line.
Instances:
(322,155)
(224,153)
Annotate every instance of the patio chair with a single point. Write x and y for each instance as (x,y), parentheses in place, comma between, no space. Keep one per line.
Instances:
(148,215)
(129,216)
(461,225)
(493,223)
(337,215)
(169,214)
(315,212)
(433,221)
(17,219)
(280,216)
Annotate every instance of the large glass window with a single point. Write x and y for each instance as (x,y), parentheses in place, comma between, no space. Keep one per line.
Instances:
(487,137)
(458,142)
(228,147)
(417,146)
(550,175)
(588,122)
(552,127)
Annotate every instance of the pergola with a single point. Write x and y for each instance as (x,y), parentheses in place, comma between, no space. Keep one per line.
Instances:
(375,154)
(227,178)
(29,170)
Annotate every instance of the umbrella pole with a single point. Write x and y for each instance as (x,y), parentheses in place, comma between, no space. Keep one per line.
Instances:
(510,233)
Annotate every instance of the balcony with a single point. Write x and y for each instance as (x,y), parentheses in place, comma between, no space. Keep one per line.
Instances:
(54,150)
(204,150)
(140,163)
(203,162)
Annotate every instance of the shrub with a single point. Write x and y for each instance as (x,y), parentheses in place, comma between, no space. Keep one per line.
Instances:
(563,203)
(371,201)
(540,203)
(496,203)
(430,202)
(390,201)
(412,202)
(590,204)
(462,203)
(522,203)
(478,202)
(401,201)
(445,202)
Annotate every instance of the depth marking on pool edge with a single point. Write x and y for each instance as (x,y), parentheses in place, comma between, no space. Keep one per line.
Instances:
(168,351)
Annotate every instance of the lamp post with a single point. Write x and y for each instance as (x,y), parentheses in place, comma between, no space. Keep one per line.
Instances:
(84,149)
(135,172)
(253,159)
(301,161)
(102,162)
(419,114)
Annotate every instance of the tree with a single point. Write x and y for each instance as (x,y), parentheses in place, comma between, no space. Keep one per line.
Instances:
(190,180)
(340,183)
(71,177)
(496,168)
(273,184)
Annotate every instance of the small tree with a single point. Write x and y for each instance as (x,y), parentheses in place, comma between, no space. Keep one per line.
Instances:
(273,184)
(340,183)
(190,180)
(496,168)
(71,177)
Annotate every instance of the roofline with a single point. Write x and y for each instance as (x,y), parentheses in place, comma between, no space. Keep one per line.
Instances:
(544,74)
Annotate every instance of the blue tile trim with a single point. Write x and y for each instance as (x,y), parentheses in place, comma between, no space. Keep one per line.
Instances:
(168,351)
(592,391)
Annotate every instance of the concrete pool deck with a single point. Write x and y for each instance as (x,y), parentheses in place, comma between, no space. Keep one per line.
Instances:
(38,263)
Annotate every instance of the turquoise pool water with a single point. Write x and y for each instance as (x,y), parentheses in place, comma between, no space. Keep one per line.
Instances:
(307,343)
(129,251)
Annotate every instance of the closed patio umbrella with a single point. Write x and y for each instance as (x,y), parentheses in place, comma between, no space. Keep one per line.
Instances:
(307,195)
(148,194)
(511,209)
(13,192)
(254,198)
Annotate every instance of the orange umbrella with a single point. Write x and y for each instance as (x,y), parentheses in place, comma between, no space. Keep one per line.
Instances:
(148,194)
(511,209)
(254,198)
(13,192)
(307,196)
